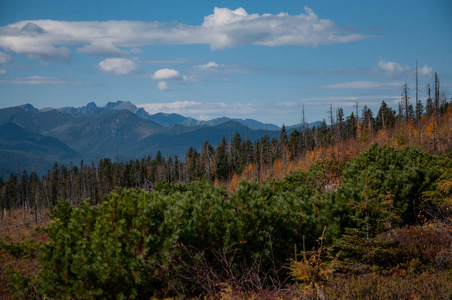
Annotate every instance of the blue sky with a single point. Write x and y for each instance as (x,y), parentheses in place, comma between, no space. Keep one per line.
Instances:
(206,59)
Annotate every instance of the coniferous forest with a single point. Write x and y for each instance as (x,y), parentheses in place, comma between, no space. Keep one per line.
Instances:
(359,208)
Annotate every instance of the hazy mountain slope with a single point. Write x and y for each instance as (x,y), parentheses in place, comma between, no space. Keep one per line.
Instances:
(12,161)
(114,133)
(37,121)
(309,125)
(22,149)
(167,120)
(20,116)
(253,124)
(13,137)
(178,144)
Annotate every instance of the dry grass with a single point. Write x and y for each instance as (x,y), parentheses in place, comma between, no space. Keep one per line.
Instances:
(16,229)
(19,226)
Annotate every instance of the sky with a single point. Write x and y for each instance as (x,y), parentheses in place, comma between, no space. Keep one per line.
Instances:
(264,60)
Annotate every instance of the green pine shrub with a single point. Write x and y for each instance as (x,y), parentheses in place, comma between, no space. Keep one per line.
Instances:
(196,239)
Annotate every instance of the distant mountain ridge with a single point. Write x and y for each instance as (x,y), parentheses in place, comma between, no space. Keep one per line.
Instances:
(163,119)
(168,120)
(34,139)
(91,109)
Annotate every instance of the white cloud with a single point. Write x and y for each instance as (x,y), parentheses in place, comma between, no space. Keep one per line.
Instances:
(5,58)
(166,74)
(118,66)
(425,71)
(212,68)
(47,40)
(196,109)
(234,28)
(162,85)
(173,107)
(365,85)
(386,68)
(393,69)
(225,16)
(40,80)
(163,75)
(209,65)
(36,43)
(2,72)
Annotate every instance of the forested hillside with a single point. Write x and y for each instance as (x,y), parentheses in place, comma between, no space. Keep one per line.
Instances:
(358,208)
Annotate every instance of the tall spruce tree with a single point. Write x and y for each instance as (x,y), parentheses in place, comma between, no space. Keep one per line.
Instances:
(221,161)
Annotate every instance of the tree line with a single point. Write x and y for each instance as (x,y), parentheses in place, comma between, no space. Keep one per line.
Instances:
(219,164)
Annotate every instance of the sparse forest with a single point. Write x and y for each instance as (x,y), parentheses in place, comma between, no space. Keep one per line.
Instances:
(360,207)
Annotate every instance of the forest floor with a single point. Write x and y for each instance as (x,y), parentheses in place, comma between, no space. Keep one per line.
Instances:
(18,228)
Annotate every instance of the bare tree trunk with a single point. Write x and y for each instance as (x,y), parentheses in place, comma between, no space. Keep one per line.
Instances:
(36,213)
(418,113)
(434,135)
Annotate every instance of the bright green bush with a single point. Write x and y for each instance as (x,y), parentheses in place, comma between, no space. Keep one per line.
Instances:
(110,250)
(392,182)
(130,245)
(383,189)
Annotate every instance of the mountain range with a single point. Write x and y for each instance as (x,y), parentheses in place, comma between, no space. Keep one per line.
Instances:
(35,139)
(163,119)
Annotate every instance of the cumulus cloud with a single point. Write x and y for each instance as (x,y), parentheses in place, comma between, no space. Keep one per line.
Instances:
(234,28)
(165,74)
(47,40)
(118,66)
(35,42)
(393,69)
(365,85)
(425,71)
(162,85)
(209,65)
